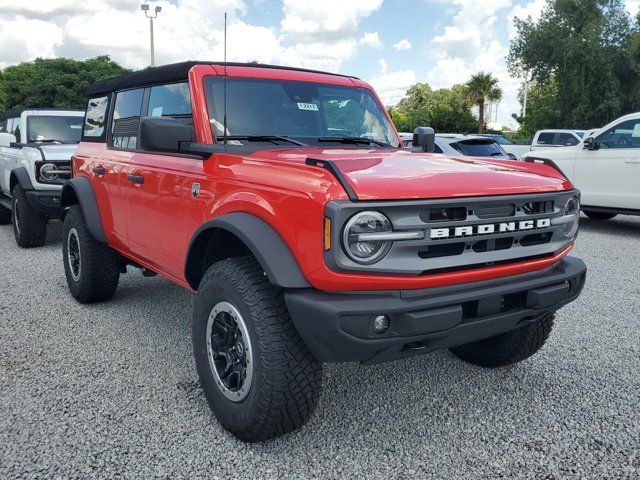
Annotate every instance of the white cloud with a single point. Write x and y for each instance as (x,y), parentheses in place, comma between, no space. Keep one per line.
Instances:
(371,39)
(403,44)
(383,65)
(391,86)
(633,7)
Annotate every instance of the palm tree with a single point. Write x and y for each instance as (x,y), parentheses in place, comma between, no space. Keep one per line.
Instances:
(483,87)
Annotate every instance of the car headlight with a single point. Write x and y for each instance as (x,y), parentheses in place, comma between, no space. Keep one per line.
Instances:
(48,171)
(571,217)
(364,239)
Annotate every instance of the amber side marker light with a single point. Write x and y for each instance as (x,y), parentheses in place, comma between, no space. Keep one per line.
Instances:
(327,234)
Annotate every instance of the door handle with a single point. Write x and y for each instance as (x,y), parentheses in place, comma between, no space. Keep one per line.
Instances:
(99,170)
(138,179)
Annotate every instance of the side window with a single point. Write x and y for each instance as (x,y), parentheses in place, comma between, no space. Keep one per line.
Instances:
(96,117)
(566,139)
(623,135)
(14,128)
(126,119)
(546,138)
(171,100)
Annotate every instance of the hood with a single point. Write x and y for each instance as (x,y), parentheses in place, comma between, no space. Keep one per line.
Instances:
(380,174)
(57,152)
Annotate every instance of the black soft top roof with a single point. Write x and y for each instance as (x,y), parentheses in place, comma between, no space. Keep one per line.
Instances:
(16,112)
(174,72)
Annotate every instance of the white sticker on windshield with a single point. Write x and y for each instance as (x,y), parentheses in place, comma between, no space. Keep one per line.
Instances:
(308,106)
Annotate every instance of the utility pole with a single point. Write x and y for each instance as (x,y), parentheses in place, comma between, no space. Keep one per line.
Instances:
(147,12)
(524,103)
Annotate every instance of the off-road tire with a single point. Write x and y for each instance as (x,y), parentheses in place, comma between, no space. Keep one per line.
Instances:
(29,227)
(99,270)
(287,378)
(507,348)
(5,215)
(599,215)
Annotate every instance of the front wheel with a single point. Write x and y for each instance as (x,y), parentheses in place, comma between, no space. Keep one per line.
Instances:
(92,268)
(599,215)
(508,348)
(29,227)
(259,377)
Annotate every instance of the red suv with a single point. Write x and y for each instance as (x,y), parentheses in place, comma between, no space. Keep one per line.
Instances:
(283,198)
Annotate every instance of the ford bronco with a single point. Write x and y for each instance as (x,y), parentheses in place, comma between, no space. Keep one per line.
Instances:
(281,196)
(35,154)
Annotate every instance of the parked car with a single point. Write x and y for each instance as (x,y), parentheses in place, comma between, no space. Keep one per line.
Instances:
(283,197)
(459,144)
(35,153)
(542,139)
(605,166)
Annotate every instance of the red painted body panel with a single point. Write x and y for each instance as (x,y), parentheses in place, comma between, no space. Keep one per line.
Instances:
(153,223)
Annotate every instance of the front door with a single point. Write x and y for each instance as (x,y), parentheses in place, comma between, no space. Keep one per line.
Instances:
(610,175)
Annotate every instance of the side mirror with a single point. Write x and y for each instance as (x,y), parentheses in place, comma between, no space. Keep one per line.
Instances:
(512,156)
(159,134)
(591,144)
(6,139)
(424,138)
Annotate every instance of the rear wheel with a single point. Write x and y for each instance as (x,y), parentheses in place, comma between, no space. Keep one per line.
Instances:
(258,376)
(599,215)
(29,227)
(507,348)
(92,268)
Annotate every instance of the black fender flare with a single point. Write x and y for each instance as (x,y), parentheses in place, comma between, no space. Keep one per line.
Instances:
(79,191)
(265,243)
(21,177)
(545,161)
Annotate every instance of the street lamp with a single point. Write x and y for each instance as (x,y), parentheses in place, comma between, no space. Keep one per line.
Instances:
(147,12)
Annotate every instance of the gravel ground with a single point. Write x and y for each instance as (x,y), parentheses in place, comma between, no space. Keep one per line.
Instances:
(111,391)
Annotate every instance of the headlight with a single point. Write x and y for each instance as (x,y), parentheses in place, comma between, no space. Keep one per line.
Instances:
(360,240)
(48,172)
(571,217)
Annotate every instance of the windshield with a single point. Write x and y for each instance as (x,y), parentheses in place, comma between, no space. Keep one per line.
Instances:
(501,140)
(479,148)
(43,128)
(307,112)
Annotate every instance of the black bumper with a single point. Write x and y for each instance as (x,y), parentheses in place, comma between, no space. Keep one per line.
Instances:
(338,327)
(44,202)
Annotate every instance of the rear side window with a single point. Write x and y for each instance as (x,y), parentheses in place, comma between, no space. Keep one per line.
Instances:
(566,139)
(546,138)
(126,119)
(170,101)
(478,148)
(95,119)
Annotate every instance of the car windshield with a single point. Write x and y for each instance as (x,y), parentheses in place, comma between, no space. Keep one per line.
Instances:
(49,128)
(501,140)
(310,113)
(479,148)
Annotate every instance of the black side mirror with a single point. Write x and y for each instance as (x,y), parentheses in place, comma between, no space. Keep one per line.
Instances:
(512,156)
(591,144)
(424,138)
(159,134)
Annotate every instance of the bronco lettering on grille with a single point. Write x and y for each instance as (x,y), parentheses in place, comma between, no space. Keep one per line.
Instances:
(505,227)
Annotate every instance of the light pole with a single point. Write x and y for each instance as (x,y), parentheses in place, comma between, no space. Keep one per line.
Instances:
(147,12)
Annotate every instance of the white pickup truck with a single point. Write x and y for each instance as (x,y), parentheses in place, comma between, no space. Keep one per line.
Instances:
(605,167)
(35,159)
(541,140)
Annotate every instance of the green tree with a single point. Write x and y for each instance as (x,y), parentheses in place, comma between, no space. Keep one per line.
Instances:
(53,83)
(445,110)
(483,87)
(542,107)
(589,49)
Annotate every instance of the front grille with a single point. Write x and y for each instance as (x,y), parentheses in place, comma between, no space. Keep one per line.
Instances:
(460,234)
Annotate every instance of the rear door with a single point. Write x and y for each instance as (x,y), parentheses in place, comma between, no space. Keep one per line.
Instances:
(610,175)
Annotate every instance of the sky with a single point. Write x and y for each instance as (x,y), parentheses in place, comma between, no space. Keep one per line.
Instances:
(391,44)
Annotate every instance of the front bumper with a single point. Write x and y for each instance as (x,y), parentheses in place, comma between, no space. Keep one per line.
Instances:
(45,202)
(338,327)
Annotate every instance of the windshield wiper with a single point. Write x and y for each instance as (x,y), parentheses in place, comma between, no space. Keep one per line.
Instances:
(47,140)
(354,140)
(495,154)
(263,138)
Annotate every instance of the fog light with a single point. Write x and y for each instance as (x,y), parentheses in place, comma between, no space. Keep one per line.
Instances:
(381,324)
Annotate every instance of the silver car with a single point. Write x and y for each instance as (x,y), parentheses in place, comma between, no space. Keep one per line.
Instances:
(468,145)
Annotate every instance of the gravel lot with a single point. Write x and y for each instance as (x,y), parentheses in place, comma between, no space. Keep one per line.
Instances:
(111,391)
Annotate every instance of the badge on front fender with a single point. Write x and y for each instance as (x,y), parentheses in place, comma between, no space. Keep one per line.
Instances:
(195,190)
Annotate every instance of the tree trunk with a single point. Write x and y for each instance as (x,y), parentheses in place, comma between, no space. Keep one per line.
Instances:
(480,116)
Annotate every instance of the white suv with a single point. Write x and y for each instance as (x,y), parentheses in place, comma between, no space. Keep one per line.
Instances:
(605,166)
(35,159)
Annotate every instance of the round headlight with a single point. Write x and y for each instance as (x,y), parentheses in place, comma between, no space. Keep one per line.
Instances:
(357,246)
(571,209)
(45,172)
